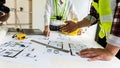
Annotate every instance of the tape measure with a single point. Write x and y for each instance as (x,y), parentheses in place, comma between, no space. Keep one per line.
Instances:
(19,36)
(74,33)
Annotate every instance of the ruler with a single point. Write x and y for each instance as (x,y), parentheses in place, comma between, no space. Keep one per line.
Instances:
(47,45)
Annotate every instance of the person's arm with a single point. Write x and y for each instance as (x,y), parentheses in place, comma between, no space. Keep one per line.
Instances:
(112,49)
(5,17)
(47,18)
(47,31)
(114,37)
(113,42)
(47,13)
(105,54)
(5,13)
(92,18)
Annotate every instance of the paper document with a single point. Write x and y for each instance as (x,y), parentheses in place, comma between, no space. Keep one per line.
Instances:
(38,49)
(3,32)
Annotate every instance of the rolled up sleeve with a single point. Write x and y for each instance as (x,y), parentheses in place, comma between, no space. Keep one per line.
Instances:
(114,40)
(114,37)
(93,17)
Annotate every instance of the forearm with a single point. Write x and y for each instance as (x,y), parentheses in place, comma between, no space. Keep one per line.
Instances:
(83,23)
(112,49)
(113,44)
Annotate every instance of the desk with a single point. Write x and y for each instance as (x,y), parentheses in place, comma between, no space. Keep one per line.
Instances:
(61,61)
(3,31)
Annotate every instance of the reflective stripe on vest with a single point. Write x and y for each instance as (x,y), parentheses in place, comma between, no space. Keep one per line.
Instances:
(106,17)
(57,12)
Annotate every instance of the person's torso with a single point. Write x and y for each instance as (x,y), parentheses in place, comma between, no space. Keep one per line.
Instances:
(60,8)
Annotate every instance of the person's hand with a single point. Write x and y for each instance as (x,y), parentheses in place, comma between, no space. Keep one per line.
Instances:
(47,31)
(96,54)
(69,27)
(4,17)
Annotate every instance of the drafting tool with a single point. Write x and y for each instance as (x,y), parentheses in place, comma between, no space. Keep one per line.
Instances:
(71,50)
(12,55)
(22,45)
(47,45)
(19,36)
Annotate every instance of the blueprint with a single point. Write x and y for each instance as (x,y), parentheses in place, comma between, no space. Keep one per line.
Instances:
(38,48)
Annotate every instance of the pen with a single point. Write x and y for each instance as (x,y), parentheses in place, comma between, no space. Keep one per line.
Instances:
(22,45)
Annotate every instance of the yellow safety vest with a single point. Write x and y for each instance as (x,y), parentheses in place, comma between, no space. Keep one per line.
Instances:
(104,9)
(57,13)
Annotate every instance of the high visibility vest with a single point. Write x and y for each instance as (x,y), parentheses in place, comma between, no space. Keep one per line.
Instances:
(58,13)
(104,9)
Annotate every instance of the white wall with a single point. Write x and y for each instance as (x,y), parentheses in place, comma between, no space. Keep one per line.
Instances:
(82,7)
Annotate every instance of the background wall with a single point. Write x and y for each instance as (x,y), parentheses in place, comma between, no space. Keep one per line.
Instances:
(38,6)
(37,9)
(38,13)
(20,13)
(82,7)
